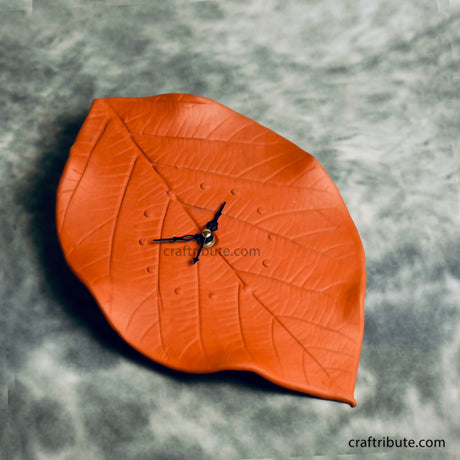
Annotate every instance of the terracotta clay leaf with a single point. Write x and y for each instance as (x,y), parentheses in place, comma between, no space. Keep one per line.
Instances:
(282,291)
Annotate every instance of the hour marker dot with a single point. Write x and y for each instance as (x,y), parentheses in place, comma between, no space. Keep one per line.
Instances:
(234,191)
(261,211)
(266,263)
(151,269)
(178,291)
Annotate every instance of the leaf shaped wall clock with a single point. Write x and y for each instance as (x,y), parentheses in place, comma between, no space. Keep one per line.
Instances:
(281,290)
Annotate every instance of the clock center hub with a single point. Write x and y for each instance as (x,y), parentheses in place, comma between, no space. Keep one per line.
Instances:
(209,239)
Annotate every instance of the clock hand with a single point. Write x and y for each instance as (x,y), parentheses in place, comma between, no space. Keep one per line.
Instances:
(204,239)
(212,224)
(196,236)
(197,257)
(208,239)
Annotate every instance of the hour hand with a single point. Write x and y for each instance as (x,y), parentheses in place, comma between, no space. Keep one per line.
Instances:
(212,224)
(196,236)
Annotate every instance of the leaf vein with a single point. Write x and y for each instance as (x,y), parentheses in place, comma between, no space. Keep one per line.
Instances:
(196,139)
(229,176)
(98,138)
(117,216)
(318,325)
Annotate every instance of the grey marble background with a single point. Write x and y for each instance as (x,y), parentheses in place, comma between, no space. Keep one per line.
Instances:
(371,88)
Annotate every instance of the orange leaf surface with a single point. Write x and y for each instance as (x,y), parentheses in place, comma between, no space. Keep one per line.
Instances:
(282,291)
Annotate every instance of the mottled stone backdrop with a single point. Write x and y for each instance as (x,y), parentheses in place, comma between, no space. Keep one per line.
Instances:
(371,88)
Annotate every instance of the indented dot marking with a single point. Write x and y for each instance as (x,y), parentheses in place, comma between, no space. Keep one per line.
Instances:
(260,211)
(178,291)
(212,295)
(234,191)
(151,269)
(204,186)
(266,263)
(247,289)
(147,213)
(170,193)
(271,237)
(142,241)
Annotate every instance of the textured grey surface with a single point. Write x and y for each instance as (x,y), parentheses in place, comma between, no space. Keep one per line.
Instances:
(370,88)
